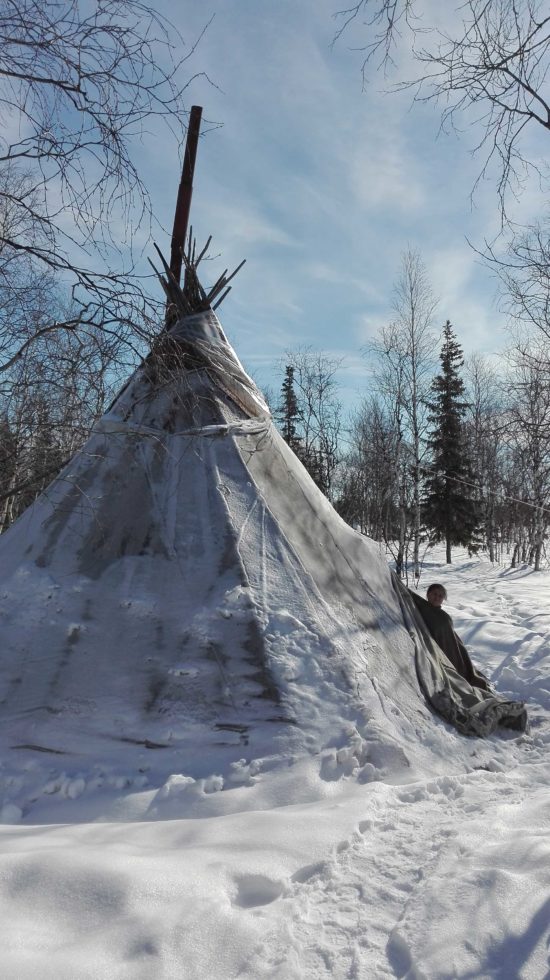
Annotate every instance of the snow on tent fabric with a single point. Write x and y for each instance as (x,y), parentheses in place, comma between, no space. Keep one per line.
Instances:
(183,580)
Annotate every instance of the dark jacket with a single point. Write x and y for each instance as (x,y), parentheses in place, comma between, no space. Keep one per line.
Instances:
(440,626)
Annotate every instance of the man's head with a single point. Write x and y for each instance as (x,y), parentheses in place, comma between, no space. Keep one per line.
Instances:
(436,594)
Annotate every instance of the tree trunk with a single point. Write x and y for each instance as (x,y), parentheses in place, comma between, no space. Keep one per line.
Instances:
(416,527)
(539,535)
(524,553)
(491,530)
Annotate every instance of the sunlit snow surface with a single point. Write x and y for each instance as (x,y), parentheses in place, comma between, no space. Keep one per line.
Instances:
(364,860)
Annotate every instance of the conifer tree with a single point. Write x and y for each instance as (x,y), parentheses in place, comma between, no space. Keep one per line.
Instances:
(450,510)
(287,413)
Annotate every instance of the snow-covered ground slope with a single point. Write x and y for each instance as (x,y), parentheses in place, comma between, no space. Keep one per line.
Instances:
(376,856)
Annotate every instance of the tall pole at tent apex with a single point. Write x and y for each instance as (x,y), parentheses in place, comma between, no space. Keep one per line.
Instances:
(185,191)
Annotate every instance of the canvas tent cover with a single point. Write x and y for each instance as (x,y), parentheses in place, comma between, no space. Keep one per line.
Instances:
(183,579)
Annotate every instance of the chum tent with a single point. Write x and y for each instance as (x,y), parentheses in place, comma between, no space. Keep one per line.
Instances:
(183,583)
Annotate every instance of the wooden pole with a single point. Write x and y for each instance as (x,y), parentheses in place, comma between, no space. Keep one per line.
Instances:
(185,191)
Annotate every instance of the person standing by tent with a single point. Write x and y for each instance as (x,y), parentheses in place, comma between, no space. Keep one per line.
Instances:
(440,626)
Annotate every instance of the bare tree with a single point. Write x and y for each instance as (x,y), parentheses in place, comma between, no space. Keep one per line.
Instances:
(385,21)
(368,493)
(318,413)
(485,422)
(489,67)
(530,436)
(79,85)
(48,401)
(390,375)
(524,273)
(405,362)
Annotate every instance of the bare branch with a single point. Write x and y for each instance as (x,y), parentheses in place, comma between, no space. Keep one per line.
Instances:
(491,69)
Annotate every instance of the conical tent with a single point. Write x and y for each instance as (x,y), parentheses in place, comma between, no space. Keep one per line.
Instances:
(184,583)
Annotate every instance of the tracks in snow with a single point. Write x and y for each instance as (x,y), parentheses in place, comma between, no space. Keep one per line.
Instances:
(347,917)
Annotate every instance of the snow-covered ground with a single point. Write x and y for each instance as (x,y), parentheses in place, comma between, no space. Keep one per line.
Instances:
(397,866)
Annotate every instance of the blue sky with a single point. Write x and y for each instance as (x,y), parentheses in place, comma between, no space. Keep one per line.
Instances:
(321,185)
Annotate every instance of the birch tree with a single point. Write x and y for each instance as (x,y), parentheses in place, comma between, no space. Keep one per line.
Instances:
(485,422)
(368,495)
(317,413)
(405,364)
(530,433)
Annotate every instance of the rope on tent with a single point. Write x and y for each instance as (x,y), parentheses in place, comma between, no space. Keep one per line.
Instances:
(244,427)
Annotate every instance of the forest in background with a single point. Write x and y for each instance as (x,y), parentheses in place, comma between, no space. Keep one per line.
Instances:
(442,447)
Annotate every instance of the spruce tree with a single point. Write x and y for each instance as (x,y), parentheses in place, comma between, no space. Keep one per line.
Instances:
(450,510)
(287,411)
(289,420)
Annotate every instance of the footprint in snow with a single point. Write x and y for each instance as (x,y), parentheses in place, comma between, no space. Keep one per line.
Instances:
(308,871)
(255,890)
(400,959)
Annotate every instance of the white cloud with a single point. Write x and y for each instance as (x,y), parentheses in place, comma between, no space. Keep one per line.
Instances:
(457,272)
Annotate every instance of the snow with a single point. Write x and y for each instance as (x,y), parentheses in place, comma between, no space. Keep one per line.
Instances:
(370,858)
